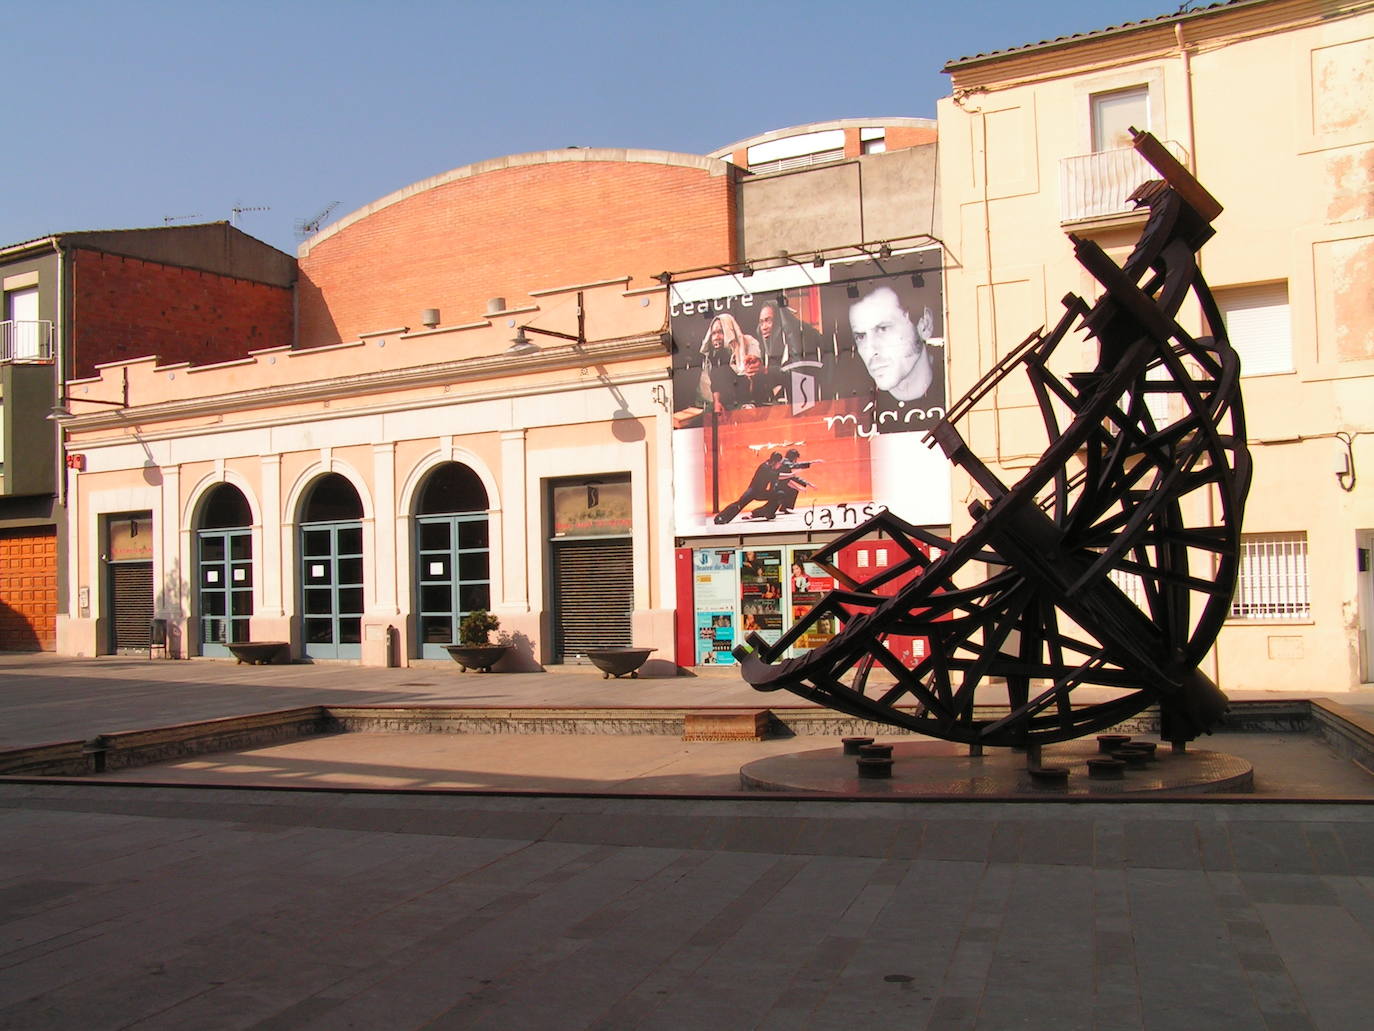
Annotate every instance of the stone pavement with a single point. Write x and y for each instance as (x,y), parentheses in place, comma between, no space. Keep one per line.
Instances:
(138,907)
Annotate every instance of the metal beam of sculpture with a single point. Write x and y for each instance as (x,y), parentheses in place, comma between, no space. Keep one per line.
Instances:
(1110,565)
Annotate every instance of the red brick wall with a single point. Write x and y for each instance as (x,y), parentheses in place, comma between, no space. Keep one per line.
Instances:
(126,308)
(504,232)
(899,137)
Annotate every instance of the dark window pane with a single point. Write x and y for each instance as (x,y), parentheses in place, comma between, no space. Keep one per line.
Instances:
(319,631)
(212,548)
(452,488)
(350,570)
(241,547)
(474,596)
(212,603)
(241,575)
(434,567)
(316,542)
(243,603)
(473,534)
(434,536)
(319,603)
(212,576)
(317,571)
(437,630)
(332,500)
(351,600)
(473,566)
(350,630)
(350,540)
(436,599)
(238,630)
(212,631)
(226,506)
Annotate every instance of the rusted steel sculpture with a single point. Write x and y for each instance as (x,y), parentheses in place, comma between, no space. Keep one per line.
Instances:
(1138,495)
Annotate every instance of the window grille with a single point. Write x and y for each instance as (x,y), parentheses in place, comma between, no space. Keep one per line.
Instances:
(1273,577)
(1130,585)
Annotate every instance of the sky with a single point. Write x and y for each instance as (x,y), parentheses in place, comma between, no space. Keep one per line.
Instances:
(132,114)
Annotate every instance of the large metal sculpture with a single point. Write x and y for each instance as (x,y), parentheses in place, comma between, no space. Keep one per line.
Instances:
(1094,586)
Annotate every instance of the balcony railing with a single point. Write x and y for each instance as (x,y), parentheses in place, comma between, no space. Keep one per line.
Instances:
(1097,185)
(22,340)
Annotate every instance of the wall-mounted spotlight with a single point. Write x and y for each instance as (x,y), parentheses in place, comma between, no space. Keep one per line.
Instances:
(664,277)
(63,409)
(818,261)
(885,250)
(747,271)
(521,344)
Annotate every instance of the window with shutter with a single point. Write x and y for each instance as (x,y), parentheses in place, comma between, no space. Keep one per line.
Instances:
(1260,326)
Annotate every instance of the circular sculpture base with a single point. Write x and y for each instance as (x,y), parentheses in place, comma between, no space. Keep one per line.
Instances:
(924,768)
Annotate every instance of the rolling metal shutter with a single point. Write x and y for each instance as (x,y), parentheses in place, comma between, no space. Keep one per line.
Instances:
(594,580)
(131,602)
(28,590)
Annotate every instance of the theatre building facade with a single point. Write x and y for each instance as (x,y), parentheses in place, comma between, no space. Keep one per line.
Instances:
(458,426)
(491,376)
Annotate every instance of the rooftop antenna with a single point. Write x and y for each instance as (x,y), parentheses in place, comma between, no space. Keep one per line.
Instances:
(239,209)
(309,226)
(169,219)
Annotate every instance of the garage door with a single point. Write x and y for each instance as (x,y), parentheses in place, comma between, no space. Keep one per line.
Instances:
(28,590)
(594,585)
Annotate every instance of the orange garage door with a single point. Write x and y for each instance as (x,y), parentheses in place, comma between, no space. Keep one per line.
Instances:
(28,590)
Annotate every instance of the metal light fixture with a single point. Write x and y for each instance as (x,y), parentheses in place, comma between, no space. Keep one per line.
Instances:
(63,409)
(521,344)
(885,250)
(818,261)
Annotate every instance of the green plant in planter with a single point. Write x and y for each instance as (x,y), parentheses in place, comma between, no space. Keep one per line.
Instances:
(476,627)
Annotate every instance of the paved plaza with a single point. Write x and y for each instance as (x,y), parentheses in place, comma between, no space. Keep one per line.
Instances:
(128,906)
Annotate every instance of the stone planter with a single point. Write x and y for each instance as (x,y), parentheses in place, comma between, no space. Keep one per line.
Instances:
(480,657)
(616,662)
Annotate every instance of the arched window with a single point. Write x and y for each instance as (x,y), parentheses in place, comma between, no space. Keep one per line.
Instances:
(224,569)
(452,555)
(331,556)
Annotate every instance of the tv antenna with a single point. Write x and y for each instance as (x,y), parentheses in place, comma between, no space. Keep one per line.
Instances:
(239,209)
(169,219)
(309,226)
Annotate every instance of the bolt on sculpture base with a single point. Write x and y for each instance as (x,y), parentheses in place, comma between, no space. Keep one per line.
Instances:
(1110,565)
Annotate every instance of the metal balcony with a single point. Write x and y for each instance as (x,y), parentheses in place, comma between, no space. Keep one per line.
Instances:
(23,340)
(1097,185)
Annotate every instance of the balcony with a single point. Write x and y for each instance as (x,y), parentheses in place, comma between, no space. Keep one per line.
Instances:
(1095,186)
(22,340)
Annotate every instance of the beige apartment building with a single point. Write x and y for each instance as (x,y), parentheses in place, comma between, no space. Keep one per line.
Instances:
(1268,103)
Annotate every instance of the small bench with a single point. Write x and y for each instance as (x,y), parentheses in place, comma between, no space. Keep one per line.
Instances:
(261,653)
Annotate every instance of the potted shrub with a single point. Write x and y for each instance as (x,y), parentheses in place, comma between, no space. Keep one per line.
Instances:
(474,647)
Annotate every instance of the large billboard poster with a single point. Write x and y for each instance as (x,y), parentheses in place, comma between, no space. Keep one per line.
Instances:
(801,396)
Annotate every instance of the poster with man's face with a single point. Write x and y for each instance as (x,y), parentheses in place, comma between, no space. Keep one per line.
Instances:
(801,396)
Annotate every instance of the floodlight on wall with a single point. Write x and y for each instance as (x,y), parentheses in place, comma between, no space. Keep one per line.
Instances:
(747,271)
(63,409)
(664,278)
(818,261)
(885,250)
(522,344)
(429,317)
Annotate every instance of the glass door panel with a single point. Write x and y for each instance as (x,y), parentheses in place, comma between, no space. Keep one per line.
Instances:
(332,590)
(225,587)
(453,565)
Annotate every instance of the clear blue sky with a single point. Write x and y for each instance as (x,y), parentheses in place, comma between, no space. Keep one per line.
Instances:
(122,114)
